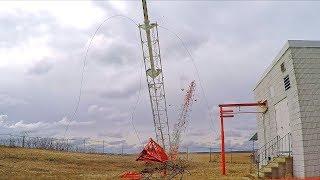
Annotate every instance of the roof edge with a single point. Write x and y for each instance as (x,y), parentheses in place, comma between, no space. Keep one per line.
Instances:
(287,45)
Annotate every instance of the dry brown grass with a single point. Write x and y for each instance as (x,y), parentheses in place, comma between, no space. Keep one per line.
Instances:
(201,168)
(20,163)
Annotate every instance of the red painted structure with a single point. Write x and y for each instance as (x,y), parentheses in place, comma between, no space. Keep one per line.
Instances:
(131,176)
(226,113)
(153,152)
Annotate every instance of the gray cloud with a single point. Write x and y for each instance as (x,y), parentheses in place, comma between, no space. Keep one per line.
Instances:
(41,68)
(119,142)
(3,118)
(233,134)
(108,52)
(96,109)
(199,133)
(111,134)
(8,100)
(119,93)
(40,126)
(19,28)
(232,43)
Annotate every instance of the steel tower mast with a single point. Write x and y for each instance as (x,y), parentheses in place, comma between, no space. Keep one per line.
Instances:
(181,124)
(152,61)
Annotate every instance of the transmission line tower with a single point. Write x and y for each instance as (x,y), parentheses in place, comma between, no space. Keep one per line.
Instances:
(181,124)
(152,61)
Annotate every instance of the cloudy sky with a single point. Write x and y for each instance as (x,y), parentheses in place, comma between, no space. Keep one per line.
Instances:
(42,47)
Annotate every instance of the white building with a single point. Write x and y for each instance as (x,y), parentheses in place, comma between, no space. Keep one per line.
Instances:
(291,86)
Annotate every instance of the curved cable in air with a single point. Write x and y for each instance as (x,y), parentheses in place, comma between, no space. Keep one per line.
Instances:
(196,69)
(76,109)
(136,104)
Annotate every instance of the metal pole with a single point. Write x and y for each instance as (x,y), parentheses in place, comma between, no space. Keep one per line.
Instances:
(187,153)
(84,145)
(10,141)
(103,146)
(289,144)
(122,149)
(67,144)
(155,80)
(223,158)
(231,154)
(278,146)
(23,139)
(210,154)
(252,147)
(147,29)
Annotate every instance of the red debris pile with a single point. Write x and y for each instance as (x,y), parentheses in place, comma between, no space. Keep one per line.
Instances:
(153,152)
(131,175)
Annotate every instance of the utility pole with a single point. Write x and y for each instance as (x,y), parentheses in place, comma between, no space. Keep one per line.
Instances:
(122,149)
(84,145)
(67,144)
(23,140)
(231,152)
(187,153)
(210,154)
(11,141)
(103,147)
(223,158)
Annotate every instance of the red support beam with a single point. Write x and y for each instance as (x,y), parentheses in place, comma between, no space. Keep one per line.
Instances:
(223,158)
(244,104)
(229,113)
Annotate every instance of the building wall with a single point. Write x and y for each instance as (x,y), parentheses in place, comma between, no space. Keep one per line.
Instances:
(267,124)
(303,67)
(306,62)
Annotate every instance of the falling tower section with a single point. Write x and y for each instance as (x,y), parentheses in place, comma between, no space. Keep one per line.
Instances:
(152,61)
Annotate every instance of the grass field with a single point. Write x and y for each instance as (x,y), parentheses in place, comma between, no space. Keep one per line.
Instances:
(20,163)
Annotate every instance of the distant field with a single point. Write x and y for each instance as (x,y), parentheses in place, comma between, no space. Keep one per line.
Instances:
(44,164)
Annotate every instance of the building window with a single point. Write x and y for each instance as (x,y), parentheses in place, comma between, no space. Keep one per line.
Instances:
(286,81)
(283,68)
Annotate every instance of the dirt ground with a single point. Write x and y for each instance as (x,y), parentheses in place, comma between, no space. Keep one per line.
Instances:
(20,163)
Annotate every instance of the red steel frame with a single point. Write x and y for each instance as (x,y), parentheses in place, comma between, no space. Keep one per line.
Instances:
(229,113)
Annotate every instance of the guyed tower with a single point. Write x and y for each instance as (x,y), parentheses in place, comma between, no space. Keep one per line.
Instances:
(154,75)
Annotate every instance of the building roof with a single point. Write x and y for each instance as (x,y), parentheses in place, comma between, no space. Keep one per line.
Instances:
(288,44)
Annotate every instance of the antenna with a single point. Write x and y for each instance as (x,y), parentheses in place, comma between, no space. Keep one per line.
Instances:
(181,124)
(152,61)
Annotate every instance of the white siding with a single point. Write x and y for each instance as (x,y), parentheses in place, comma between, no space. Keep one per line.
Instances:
(267,125)
(306,62)
(303,67)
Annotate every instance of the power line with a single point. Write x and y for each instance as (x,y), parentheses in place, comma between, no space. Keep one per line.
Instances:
(196,69)
(136,104)
(76,109)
